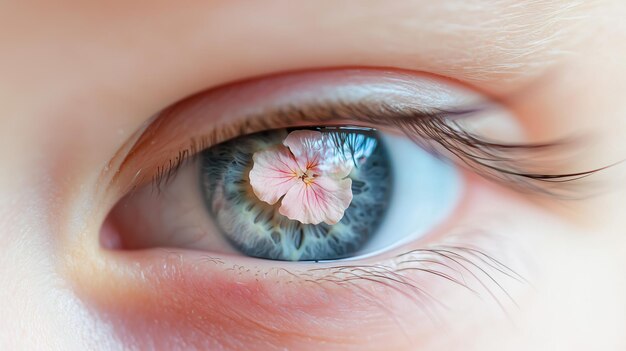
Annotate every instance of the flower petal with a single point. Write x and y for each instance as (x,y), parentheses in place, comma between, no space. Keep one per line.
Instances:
(274,172)
(318,152)
(306,146)
(304,142)
(323,200)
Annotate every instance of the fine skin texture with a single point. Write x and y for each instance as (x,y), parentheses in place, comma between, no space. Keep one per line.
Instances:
(79,79)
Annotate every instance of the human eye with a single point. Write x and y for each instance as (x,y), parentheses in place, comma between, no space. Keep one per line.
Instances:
(400,168)
(319,179)
(330,194)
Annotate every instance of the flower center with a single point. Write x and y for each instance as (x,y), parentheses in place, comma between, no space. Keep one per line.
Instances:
(308,177)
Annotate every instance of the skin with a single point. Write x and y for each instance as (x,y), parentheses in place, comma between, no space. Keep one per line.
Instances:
(79,79)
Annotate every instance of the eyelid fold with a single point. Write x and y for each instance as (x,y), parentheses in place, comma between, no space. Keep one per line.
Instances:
(358,97)
(443,117)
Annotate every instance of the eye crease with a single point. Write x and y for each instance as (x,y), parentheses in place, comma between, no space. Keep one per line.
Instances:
(438,120)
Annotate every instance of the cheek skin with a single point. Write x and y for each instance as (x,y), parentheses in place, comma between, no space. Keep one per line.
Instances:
(200,302)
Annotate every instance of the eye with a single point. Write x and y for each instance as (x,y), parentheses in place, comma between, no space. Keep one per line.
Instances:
(306,167)
(320,193)
(199,239)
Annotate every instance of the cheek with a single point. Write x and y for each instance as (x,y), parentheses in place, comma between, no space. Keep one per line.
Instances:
(205,304)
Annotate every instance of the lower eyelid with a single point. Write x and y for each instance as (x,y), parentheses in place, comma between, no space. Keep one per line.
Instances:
(195,295)
(202,297)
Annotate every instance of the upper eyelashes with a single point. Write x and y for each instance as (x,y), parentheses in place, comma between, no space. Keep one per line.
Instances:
(433,117)
(523,166)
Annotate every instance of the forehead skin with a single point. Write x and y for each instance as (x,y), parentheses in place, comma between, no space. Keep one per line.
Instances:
(95,71)
(474,40)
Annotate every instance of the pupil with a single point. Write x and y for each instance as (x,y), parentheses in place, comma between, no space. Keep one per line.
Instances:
(258,229)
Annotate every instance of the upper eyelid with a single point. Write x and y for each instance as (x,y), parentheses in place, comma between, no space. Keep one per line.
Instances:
(168,135)
(354,113)
(354,84)
(282,117)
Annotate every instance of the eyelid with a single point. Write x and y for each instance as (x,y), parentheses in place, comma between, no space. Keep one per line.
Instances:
(380,117)
(428,111)
(173,128)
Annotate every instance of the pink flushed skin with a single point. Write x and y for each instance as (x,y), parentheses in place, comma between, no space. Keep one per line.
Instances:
(166,300)
(310,176)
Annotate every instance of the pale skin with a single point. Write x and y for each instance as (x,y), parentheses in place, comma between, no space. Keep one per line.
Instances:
(78,79)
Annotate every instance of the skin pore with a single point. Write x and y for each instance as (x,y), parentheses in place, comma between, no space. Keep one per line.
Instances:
(80,79)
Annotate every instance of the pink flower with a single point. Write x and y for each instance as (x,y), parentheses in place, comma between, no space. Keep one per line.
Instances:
(309,173)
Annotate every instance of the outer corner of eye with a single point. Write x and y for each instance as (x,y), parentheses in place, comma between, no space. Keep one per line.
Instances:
(377,190)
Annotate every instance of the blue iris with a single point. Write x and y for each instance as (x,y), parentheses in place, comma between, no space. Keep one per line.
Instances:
(257,229)
(400,192)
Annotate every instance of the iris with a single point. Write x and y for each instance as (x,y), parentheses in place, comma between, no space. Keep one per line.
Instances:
(305,194)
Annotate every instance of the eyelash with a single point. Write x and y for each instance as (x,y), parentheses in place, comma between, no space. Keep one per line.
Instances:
(436,131)
(463,266)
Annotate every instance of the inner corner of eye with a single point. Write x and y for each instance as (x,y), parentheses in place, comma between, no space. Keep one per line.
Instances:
(298,194)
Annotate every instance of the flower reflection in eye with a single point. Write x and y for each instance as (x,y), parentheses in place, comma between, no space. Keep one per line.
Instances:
(335,187)
(324,193)
(311,175)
